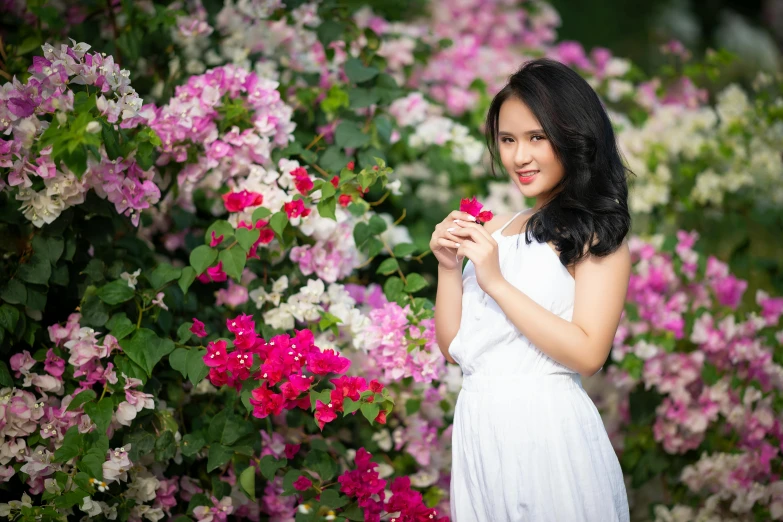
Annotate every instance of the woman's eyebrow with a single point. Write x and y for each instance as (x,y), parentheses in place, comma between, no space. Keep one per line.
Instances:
(528,133)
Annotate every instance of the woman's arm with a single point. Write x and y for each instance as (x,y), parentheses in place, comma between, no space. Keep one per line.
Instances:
(582,344)
(448,300)
(448,309)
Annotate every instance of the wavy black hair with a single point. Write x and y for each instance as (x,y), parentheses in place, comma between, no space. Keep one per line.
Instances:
(590,203)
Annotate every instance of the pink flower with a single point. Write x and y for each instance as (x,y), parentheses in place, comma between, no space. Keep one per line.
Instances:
(198,328)
(291,450)
(327,361)
(324,413)
(239,201)
(303,483)
(473,207)
(214,274)
(216,240)
(217,354)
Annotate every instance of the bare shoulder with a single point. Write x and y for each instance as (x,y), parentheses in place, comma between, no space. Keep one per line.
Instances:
(617,263)
(497,222)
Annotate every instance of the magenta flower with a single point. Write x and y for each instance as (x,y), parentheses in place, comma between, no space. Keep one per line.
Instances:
(198,328)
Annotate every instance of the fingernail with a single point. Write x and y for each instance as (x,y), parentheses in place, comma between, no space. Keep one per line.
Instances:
(458,244)
(472,218)
(450,229)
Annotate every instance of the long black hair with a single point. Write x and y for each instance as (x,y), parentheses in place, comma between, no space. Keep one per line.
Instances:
(589,205)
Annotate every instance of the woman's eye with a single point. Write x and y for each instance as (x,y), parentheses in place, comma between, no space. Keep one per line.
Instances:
(537,137)
(505,140)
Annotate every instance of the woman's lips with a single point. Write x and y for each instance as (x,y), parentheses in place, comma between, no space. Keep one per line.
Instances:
(527,177)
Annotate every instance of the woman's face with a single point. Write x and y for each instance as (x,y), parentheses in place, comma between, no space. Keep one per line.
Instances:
(526,152)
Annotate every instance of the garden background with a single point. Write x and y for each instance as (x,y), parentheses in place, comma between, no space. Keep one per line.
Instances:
(215,286)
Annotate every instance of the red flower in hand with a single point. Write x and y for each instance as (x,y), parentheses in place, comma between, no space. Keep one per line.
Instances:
(473,207)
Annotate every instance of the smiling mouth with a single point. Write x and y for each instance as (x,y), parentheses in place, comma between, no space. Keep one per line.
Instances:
(527,176)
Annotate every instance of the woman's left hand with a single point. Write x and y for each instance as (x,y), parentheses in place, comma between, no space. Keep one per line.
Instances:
(481,248)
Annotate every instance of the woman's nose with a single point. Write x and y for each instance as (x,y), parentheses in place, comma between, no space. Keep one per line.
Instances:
(522,156)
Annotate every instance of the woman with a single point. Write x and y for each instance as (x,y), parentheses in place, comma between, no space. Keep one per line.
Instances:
(531,315)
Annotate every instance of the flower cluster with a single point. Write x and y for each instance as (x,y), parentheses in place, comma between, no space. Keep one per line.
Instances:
(234,117)
(46,188)
(365,485)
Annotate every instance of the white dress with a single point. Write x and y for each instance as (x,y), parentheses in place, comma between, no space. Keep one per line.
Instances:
(528,443)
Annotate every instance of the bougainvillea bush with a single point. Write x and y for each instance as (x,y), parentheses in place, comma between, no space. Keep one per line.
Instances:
(216,300)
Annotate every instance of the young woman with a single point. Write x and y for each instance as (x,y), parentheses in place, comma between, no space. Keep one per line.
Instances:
(536,308)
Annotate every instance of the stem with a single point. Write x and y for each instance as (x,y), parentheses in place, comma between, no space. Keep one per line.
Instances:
(315,140)
(141,312)
(399,219)
(376,203)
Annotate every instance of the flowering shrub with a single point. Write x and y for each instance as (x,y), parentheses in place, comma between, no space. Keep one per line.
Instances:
(700,386)
(232,322)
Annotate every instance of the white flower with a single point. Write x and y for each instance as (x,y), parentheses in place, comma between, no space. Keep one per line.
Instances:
(92,509)
(93,127)
(159,301)
(131,278)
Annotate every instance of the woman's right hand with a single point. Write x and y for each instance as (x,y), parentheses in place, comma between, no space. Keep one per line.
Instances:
(444,244)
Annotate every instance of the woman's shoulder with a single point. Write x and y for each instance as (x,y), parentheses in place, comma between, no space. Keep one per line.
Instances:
(497,222)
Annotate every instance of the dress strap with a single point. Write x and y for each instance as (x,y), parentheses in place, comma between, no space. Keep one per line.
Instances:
(507,223)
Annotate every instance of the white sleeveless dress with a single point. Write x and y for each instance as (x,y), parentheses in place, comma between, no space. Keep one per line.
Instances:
(528,443)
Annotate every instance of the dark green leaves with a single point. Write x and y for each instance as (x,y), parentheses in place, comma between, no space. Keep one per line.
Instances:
(202,258)
(358,72)
(145,348)
(348,134)
(100,412)
(115,292)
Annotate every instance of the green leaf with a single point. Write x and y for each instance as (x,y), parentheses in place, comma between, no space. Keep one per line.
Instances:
(141,443)
(269,466)
(329,31)
(179,361)
(36,270)
(247,237)
(162,274)
(261,213)
(331,498)
(100,412)
(374,246)
(233,261)
(145,155)
(202,258)
(388,266)
(111,141)
(358,72)
(278,222)
(354,513)
(70,445)
(145,348)
(5,375)
(197,370)
(183,332)
(361,97)
(9,316)
(120,326)
(333,159)
(221,227)
(322,463)
(710,374)
(350,406)
(348,134)
(415,282)
(247,480)
(404,249)
(218,456)
(92,464)
(393,288)
(81,398)
(361,233)
(192,443)
(49,247)
(14,293)
(377,225)
(326,208)
(186,279)
(370,410)
(165,447)
(115,292)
